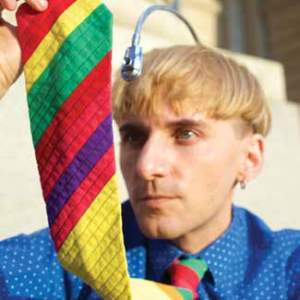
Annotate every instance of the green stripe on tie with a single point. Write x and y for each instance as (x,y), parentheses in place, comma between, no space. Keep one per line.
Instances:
(45,96)
(198,265)
(185,294)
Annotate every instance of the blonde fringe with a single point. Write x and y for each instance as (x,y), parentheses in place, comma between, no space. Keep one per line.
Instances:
(198,77)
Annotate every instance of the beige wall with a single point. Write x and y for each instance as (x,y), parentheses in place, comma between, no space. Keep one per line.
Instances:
(274,195)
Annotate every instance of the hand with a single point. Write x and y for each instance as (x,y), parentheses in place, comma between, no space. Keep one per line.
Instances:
(10,52)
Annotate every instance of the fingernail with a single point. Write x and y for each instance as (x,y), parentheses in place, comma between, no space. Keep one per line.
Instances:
(43,4)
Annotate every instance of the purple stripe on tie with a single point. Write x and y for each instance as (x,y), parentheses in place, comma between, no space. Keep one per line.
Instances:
(80,167)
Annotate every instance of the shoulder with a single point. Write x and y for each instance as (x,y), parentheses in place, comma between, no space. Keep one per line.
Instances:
(36,244)
(135,243)
(293,274)
(277,251)
(262,236)
(27,261)
(30,268)
(132,234)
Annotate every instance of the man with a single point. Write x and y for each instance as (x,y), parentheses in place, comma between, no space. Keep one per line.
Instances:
(192,130)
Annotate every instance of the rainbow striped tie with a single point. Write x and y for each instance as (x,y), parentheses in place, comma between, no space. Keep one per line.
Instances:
(66,52)
(188,273)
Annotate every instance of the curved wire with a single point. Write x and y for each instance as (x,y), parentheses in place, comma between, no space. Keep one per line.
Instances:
(138,29)
(133,59)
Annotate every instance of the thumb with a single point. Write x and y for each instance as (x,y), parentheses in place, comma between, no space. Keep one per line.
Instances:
(10,56)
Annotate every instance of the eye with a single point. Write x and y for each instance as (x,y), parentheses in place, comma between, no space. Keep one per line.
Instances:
(133,138)
(185,135)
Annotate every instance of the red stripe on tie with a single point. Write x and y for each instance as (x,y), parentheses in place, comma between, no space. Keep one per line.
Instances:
(86,193)
(29,20)
(83,105)
(185,277)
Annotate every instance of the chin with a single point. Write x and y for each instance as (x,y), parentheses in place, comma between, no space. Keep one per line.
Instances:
(159,229)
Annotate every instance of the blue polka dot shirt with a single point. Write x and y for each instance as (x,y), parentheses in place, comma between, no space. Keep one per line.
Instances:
(249,261)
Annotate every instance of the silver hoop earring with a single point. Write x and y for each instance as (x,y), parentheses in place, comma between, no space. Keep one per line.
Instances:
(242,185)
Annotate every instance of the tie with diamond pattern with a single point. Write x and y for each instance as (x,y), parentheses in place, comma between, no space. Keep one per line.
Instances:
(66,53)
(187,273)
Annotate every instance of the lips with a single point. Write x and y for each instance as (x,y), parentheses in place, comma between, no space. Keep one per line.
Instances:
(157,197)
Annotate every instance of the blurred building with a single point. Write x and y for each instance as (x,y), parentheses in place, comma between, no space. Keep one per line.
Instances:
(260,34)
(265,28)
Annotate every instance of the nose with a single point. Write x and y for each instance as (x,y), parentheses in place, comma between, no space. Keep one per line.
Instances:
(154,159)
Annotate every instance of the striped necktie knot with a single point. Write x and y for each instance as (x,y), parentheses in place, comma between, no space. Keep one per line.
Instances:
(187,273)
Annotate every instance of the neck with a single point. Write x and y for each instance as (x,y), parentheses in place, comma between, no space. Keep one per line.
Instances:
(211,230)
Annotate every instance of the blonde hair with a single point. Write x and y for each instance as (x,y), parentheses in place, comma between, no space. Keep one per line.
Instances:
(194,77)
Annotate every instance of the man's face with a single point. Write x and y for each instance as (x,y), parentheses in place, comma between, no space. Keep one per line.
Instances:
(180,171)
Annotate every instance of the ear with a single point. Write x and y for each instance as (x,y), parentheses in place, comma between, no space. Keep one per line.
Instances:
(253,158)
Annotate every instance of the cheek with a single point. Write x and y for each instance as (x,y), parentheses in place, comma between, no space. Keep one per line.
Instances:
(195,163)
(127,163)
(206,167)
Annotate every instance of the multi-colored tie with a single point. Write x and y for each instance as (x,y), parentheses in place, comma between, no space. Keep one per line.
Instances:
(66,52)
(187,273)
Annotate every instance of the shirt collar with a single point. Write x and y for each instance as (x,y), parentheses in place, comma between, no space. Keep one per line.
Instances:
(161,254)
(227,250)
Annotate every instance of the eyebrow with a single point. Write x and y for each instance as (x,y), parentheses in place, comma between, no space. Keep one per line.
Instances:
(189,123)
(171,124)
(132,126)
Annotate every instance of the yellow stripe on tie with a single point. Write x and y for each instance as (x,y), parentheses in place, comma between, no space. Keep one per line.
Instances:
(101,222)
(64,25)
(142,289)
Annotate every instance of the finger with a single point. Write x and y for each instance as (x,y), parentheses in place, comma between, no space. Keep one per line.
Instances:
(39,5)
(8,4)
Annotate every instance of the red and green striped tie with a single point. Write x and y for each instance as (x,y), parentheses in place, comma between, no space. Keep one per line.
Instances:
(188,273)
